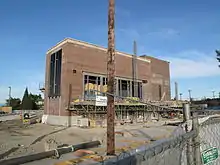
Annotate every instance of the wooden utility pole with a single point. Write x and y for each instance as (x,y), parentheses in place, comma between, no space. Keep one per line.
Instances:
(111,79)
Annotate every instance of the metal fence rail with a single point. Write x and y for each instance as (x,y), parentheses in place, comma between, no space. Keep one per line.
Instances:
(163,152)
(196,144)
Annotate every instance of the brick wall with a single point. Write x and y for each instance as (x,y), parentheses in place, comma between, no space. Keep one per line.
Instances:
(86,59)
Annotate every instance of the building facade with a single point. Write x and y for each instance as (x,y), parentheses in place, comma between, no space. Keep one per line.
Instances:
(83,66)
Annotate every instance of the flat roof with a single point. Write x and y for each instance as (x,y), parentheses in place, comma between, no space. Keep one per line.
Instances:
(86,44)
(151,57)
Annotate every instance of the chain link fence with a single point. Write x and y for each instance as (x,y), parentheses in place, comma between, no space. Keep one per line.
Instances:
(209,134)
(194,142)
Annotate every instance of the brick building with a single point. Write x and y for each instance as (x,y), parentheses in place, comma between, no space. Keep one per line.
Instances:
(84,65)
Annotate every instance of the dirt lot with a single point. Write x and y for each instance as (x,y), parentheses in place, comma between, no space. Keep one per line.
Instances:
(17,139)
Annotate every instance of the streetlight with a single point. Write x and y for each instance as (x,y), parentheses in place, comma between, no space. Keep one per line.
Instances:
(176,91)
(213,94)
(190,94)
(9,96)
(181,96)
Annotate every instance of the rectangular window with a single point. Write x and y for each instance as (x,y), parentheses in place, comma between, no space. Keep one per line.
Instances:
(58,72)
(93,84)
(55,74)
(160,92)
(140,90)
(124,89)
(86,86)
(105,81)
(132,86)
(99,81)
(52,71)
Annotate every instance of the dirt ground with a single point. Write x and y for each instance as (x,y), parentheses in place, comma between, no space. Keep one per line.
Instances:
(17,139)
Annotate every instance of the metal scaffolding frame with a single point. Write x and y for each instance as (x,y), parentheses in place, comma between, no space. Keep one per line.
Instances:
(134,107)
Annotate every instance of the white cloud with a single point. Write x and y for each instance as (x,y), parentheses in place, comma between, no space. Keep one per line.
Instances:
(186,64)
(192,64)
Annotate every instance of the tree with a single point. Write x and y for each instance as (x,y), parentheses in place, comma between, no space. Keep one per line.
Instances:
(36,99)
(218,55)
(27,103)
(15,103)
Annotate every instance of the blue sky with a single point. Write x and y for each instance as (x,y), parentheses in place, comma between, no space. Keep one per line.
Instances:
(184,32)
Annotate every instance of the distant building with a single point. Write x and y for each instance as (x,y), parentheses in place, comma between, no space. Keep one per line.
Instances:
(6,109)
(84,66)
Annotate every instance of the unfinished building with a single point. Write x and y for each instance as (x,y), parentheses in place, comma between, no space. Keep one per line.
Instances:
(76,71)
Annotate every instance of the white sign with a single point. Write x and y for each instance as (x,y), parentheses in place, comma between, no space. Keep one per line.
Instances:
(101,101)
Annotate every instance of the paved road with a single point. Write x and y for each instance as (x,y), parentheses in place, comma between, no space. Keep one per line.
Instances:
(9,117)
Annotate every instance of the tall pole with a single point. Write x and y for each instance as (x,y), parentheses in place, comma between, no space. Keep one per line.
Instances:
(111,78)
(196,140)
(190,97)
(9,96)
(186,119)
(134,71)
(176,91)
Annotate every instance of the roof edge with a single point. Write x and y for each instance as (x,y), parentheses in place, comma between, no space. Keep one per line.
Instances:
(87,44)
(147,56)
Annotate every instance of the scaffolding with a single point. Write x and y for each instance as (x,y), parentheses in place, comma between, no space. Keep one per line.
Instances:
(124,107)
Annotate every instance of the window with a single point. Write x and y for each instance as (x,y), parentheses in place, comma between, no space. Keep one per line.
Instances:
(124,90)
(105,81)
(58,72)
(160,92)
(92,86)
(52,71)
(55,73)
(135,89)
(99,81)
(140,90)
(92,79)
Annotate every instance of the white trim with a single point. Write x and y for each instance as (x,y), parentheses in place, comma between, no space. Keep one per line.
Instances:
(89,45)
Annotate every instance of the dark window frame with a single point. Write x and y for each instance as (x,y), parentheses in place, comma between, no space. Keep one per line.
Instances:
(55,74)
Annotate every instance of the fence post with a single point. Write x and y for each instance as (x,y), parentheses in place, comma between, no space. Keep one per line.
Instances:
(196,140)
(186,115)
(186,118)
